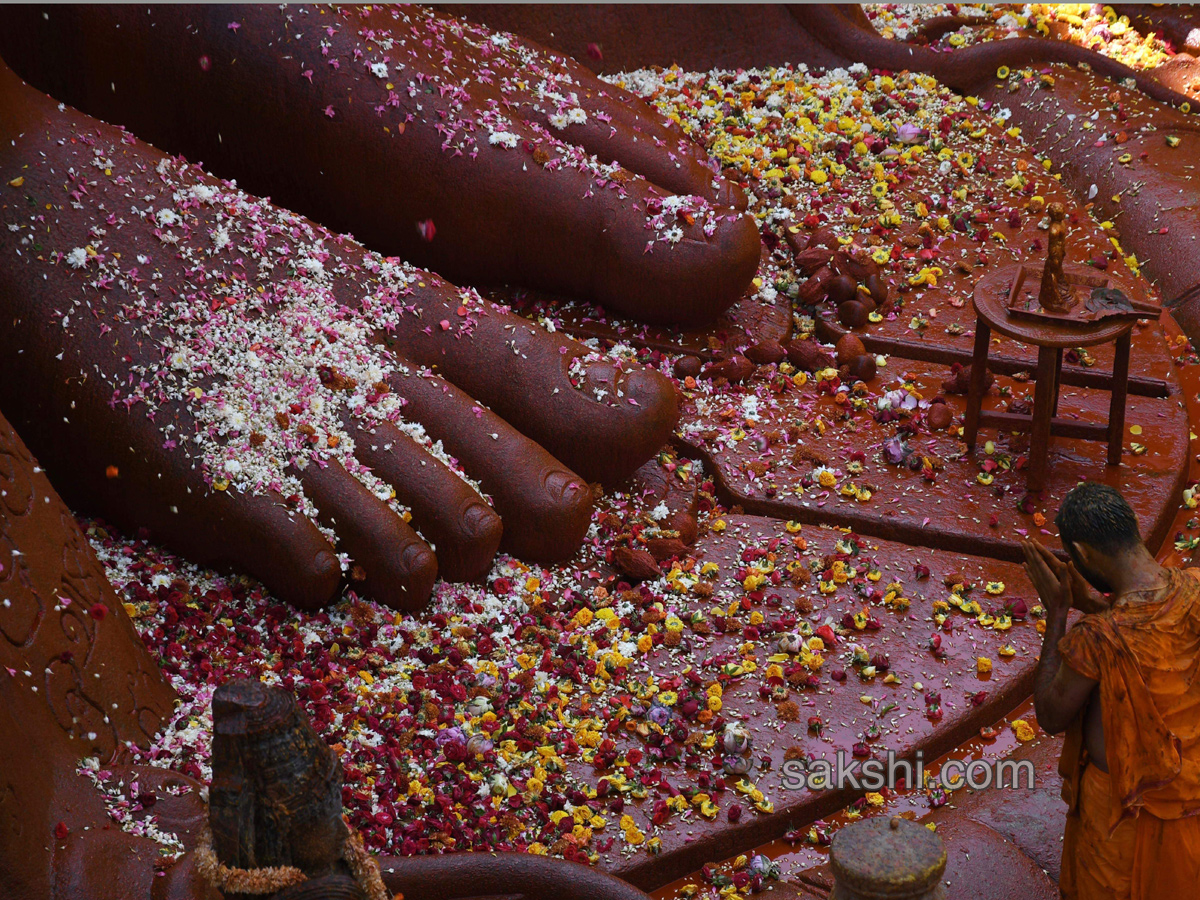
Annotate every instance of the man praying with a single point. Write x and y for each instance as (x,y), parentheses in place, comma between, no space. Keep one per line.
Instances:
(1121,682)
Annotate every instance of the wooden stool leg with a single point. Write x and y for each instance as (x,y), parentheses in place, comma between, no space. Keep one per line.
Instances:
(1120,392)
(1058,356)
(1043,404)
(983,337)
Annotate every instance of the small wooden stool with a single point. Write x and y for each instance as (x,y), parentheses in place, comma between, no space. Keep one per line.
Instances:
(1051,338)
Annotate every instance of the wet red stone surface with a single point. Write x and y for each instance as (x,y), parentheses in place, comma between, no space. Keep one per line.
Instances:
(761,466)
(1011,831)
(903,712)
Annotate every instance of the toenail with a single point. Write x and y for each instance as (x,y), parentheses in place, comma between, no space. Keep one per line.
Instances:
(564,485)
(477,519)
(415,557)
(325,564)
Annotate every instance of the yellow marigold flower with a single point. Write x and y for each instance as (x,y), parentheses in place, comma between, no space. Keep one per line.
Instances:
(827,479)
(1023,730)
(983,665)
(818,176)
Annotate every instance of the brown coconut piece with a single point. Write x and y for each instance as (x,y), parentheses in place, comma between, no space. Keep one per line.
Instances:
(849,347)
(841,289)
(766,353)
(854,314)
(808,356)
(939,416)
(636,565)
(735,369)
(863,367)
(687,367)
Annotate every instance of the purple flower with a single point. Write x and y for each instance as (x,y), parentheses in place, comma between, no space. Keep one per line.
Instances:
(895,451)
(659,715)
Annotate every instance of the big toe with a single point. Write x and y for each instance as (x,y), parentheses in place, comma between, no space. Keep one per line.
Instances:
(730,193)
(693,279)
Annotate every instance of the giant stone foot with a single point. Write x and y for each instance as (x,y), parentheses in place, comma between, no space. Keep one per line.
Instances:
(261,393)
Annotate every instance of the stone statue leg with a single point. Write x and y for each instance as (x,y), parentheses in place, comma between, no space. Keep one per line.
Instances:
(75,682)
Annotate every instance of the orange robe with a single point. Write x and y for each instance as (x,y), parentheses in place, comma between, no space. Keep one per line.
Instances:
(1133,833)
